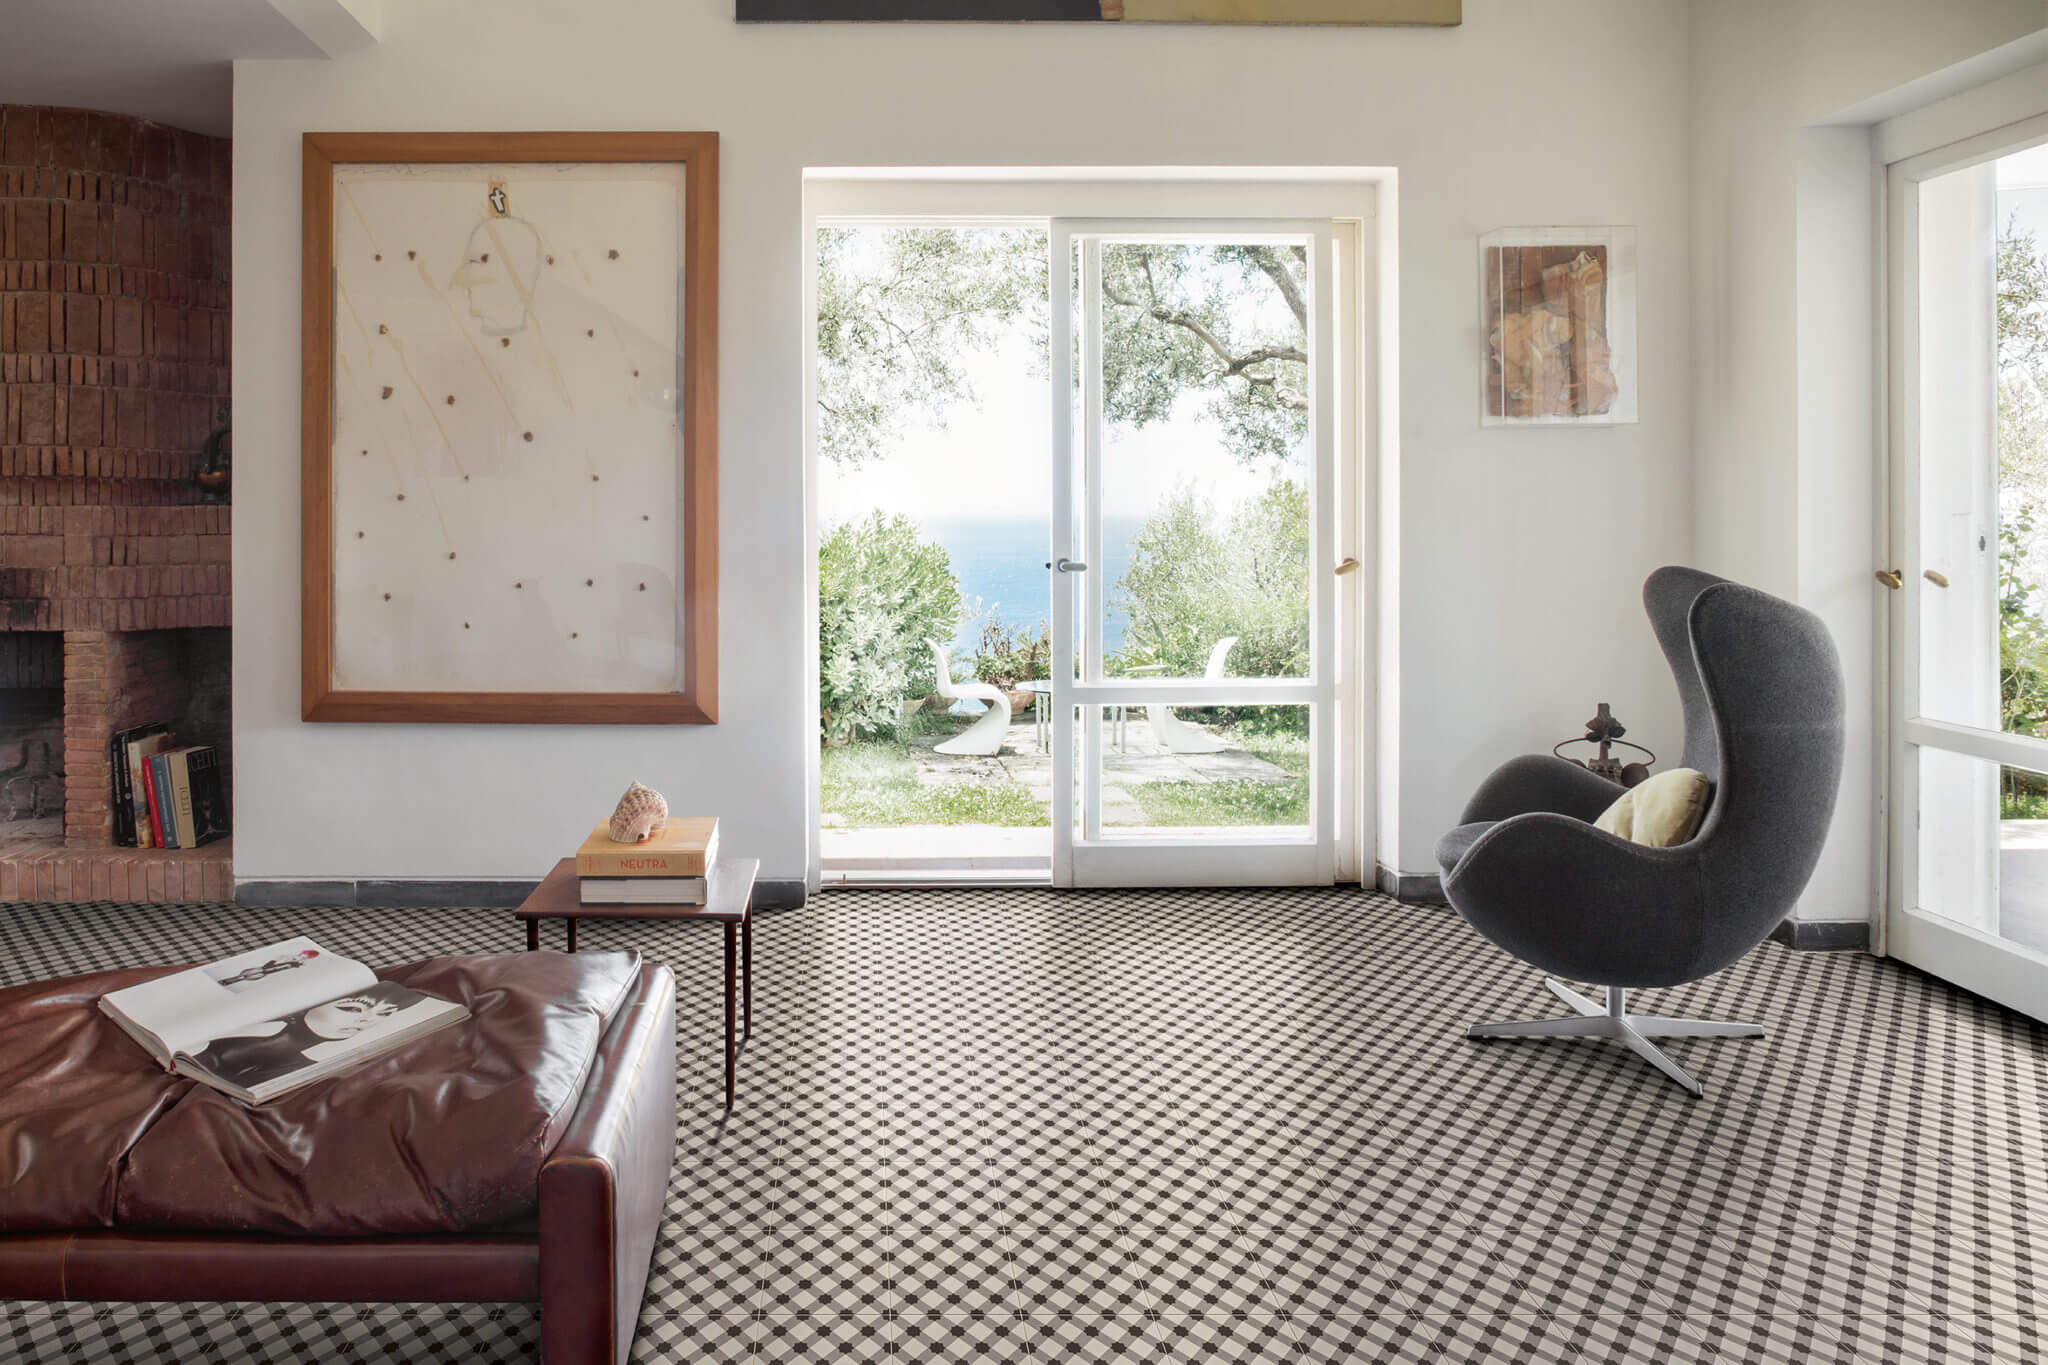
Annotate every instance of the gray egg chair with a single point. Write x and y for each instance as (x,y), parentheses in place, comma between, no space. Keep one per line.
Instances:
(1761,690)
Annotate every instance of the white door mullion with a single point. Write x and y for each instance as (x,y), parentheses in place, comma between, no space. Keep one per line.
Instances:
(1091,528)
(1061,306)
(1323,594)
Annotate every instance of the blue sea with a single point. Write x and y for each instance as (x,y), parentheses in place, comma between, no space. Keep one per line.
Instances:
(1003,564)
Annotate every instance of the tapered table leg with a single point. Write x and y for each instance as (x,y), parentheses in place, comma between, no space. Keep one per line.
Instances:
(747,975)
(532,935)
(729,1040)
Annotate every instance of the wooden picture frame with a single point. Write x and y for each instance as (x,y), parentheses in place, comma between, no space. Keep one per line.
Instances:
(687,604)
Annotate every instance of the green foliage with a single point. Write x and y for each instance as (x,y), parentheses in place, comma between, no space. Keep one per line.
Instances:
(899,308)
(1203,318)
(1192,582)
(896,310)
(2022,795)
(2022,300)
(2022,635)
(883,592)
(2022,335)
(872,784)
(1007,657)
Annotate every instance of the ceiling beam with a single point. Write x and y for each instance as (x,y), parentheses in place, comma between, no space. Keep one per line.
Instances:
(336,27)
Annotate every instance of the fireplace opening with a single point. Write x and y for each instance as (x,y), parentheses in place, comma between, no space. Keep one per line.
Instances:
(31,734)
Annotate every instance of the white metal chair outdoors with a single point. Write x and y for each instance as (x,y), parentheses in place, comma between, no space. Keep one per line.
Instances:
(986,735)
(1179,736)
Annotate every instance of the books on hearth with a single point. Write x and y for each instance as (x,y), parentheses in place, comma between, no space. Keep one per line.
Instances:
(165,795)
(669,867)
(267,1021)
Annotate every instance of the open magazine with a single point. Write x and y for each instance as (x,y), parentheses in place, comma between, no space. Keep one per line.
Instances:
(273,1019)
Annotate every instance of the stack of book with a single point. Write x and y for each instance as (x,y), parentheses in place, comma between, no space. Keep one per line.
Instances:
(166,796)
(670,868)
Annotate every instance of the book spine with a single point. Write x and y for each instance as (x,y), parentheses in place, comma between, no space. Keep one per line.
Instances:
(138,802)
(160,801)
(181,797)
(117,772)
(209,806)
(156,824)
(678,864)
(672,890)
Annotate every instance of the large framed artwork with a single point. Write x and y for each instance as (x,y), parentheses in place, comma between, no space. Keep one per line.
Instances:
(1434,12)
(1558,326)
(509,440)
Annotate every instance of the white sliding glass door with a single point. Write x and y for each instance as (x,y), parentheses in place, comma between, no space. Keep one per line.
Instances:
(1968,566)
(1195,677)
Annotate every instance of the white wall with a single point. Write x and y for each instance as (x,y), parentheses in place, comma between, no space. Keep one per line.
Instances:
(1520,551)
(1786,492)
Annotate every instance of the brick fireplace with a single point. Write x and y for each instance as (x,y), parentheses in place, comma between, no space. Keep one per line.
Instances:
(113,574)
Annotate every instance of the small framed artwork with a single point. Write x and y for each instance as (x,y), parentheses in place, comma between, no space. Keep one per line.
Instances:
(509,441)
(1558,323)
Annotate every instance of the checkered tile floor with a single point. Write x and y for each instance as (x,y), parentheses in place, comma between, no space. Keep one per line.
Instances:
(1010,1125)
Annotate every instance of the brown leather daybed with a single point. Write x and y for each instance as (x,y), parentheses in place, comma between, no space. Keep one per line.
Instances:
(523,1154)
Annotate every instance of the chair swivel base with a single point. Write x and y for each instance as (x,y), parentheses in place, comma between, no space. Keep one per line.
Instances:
(1614,1021)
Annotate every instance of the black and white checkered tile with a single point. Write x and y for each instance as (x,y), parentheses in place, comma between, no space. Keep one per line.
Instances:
(1017,1125)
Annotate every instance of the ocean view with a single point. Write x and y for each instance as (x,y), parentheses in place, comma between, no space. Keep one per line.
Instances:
(1003,564)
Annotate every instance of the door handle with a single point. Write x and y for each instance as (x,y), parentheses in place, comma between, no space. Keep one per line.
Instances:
(1347,566)
(1065,565)
(1891,578)
(1939,580)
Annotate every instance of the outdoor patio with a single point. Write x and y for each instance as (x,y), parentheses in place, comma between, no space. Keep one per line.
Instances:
(1135,767)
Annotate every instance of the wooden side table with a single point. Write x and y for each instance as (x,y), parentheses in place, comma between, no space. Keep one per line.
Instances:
(729,900)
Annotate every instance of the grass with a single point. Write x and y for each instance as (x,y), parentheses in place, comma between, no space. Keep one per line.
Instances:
(873,784)
(1235,802)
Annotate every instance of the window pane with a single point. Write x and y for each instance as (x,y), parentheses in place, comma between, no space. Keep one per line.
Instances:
(1180,769)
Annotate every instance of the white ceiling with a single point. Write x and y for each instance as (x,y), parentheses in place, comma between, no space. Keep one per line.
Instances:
(167,60)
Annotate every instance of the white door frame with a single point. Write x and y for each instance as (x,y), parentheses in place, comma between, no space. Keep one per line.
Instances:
(1347,198)
(1993,967)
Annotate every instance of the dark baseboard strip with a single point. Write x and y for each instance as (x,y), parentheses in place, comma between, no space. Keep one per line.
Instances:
(292,895)
(1410,888)
(1823,935)
(380,894)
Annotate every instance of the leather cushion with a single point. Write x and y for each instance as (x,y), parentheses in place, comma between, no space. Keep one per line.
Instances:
(1451,849)
(75,1094)
(443,1134)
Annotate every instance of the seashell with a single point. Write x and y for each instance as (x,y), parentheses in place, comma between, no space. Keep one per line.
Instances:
(640,813)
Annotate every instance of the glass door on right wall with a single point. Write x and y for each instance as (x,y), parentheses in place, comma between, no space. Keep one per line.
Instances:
(1967,569)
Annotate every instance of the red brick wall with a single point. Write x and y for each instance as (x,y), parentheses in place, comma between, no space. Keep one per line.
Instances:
(113,568)
(113,306)
(113,368)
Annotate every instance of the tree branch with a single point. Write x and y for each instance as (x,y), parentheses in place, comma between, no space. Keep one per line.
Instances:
(1275,270)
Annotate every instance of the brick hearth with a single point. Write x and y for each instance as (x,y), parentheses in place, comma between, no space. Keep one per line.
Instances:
(113,366)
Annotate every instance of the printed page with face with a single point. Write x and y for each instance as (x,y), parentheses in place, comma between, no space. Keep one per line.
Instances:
(260,1061)
(183,1011)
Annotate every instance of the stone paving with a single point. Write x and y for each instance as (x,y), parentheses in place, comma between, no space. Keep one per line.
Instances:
(1139,758)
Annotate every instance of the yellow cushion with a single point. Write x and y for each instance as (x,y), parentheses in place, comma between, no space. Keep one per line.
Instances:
(1661,811)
